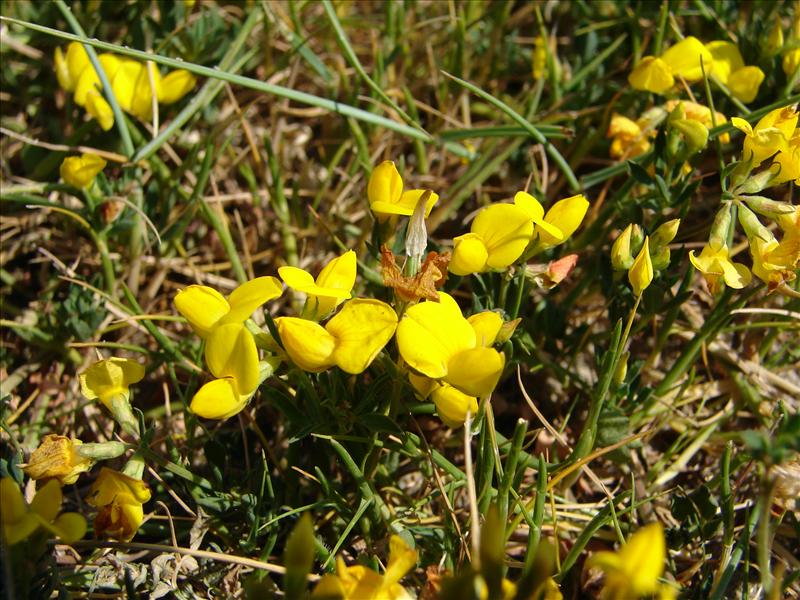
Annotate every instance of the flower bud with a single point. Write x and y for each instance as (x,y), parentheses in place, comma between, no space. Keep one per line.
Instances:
(640,274)
(773,42)
(621,256)
(695,134)
(752,226)
(720,228)
(769,208)
(756,183)
(665,232)
(80,171)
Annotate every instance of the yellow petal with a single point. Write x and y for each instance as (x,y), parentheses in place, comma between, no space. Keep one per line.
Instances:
(339,275)
(422,385)
(407,203)
(75,62)
(430,333)
(202,306)
(246,298)
(742,125)
(148,81)
(640,274)
(529,204)
(362,328)
(469,255)
(744,83)
(621,126)
(487,325)
(11,501)
(62,72)
(124,84)
(296,278)
(726,59)
(402,559)
(100,110)
(651,74)
(70,527)
(111,485)
(453,405)
(80,171)
(47,501)
(231,352)
(307,343)
(566,215)
(218,399)
(643,558)
(329,587)
(684,59)
(175,86)
(475,371)
(385,186)
(506,230)
(108,378)
(621,257)
(791,62)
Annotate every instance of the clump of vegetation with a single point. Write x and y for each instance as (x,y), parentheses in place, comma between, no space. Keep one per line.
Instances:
(484,300)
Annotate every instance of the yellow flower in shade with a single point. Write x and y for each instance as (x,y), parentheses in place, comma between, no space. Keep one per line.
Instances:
(452,405)
(21,520)
(633,571)
(786,164)
(621,252)
(386,195)
(437,341)
(57,457)
(729,68)
(791,62)
(770,135)
(205,308)
(702,114)
(498,236)
(539,56)
(80,171)
(640,275)
(332,286)
(717,268)
(106,379)
(119,499)
(657,74)
(350,340)
(361,583)
(560,221)
(628,138)
(651,74)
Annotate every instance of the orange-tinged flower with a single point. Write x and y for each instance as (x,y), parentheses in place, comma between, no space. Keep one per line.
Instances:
(119,499)
(57,458)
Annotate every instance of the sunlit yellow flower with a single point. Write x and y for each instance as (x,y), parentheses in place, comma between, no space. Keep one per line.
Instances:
(133,83)
(560,221)
(361,583)
(770,135)
(786,164)
(57,457)
(350,340)
(119,499)
(717,267)
(657,74)
(498,236)
(633,571)
(80,171)
(205,308)
(640,275)
(774,262)
(332,286)
(20,520)
(437,341)
(108,378)
(386,195)
(729,68)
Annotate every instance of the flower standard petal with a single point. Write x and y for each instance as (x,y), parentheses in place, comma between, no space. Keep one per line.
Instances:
(651,74)
(726,59)
(385,186)
(231,352)
(246,298)
(307,343)
(430,333)
(506,230)
(47,501)
(175,85)
(362,328)
(487,325)
(297,279)
(744,83)
(218,399)
(108,378)
(475,371)
(684,59)
(339,274)
(202,306)
(566,215)
(408,202)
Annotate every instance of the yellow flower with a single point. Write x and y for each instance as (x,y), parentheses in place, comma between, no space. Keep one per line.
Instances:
(702,114)
(657,74)
(119,499)
(452,405)
(539,56)
(361,583)
(621,253)
(437,341)
(350,340)
(640,275)
(20,520)
(775,263)
(770,135)
(791,62)
(386,195)
(786,163)
(205,308)
(498,236)
(717,267)
(106,379)
(729,68)
(332,286)
(133,83)
(634,570)
(560,221)
(80,171)
(57,457)
(628,138)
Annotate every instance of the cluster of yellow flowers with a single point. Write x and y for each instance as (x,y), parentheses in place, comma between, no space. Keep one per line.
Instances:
(643,258)
(136,86)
